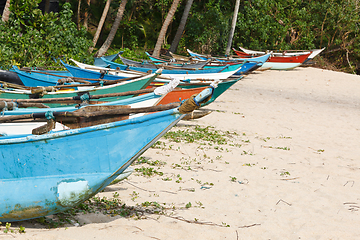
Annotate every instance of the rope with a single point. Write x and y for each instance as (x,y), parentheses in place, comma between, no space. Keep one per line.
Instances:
(4,109)
(3,85)
(49,115)
(85,97)
(190,104)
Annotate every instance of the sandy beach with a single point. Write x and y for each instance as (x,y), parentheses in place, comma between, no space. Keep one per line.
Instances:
(278,158)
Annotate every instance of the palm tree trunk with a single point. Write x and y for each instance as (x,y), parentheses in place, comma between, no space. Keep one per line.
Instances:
(233,25)
(113,30)
(78,15)
(86,15)
(101,23)
(47,6)
(181,27)
(6,12)
(164,28)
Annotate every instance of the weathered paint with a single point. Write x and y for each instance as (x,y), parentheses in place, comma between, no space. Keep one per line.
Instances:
(138,101)
(245,68)
(19,213)
(50,173)
(223,72)
(38,79)
(125,86)
(70,192)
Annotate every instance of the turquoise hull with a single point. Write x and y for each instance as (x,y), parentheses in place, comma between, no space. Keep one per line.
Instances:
(128,101)
(226,68)
(47,174)
(36,79)
(123,87)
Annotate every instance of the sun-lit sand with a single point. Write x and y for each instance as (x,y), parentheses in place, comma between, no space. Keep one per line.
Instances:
(284,163)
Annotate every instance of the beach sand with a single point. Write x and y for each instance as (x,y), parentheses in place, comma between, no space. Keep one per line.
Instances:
(279,158)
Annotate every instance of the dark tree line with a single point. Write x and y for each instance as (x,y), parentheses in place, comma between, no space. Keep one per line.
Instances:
(203,26)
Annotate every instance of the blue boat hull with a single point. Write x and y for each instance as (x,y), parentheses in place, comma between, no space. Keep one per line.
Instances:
(245,68)
(85,73)
(100,63)
(127,101)
(114,65)
(36,79)
(261,59)
(47,174)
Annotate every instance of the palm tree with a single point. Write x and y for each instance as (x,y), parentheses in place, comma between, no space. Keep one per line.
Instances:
(6,12)
(113,30)
(86,15)
(181,27)
(101,23)
(164,28)
(233,25)
(78,14)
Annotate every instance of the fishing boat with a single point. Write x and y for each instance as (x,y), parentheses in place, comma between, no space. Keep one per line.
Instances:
(82,70)
(275,62)
(250,53)
(52,172)
(259,59)
(37,78)
(153,98)
(223,72)
(56,92)
(285,62)
(187,91)
(164,64)
(175,60)
(178,71)
(161,95)
(100,63)
(245,68)
(10,77)
(247,52)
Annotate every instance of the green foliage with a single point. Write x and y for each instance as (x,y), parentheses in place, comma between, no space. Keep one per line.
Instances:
(207,28)
(30,38)
(33,39)
(295,24)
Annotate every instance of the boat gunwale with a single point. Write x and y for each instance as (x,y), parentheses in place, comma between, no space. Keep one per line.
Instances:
(17,139)
(82,89)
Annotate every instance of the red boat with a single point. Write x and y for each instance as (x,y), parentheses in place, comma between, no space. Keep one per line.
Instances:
(284,62)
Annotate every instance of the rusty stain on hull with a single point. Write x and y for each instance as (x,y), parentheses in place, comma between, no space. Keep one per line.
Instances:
(20,213)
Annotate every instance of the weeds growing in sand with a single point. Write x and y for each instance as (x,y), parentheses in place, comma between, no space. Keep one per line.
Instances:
(8,228)
(284,137)
(198,134)
(179,178)
(148,171)
(143,160)
(285,174)
(225,225)
(134,195)
(249,164)
(237,113)
(282,148)
(246,153)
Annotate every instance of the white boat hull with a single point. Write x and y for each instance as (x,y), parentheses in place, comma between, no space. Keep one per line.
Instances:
(279,66)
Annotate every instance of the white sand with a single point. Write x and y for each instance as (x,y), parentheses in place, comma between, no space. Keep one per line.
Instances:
(295,176)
